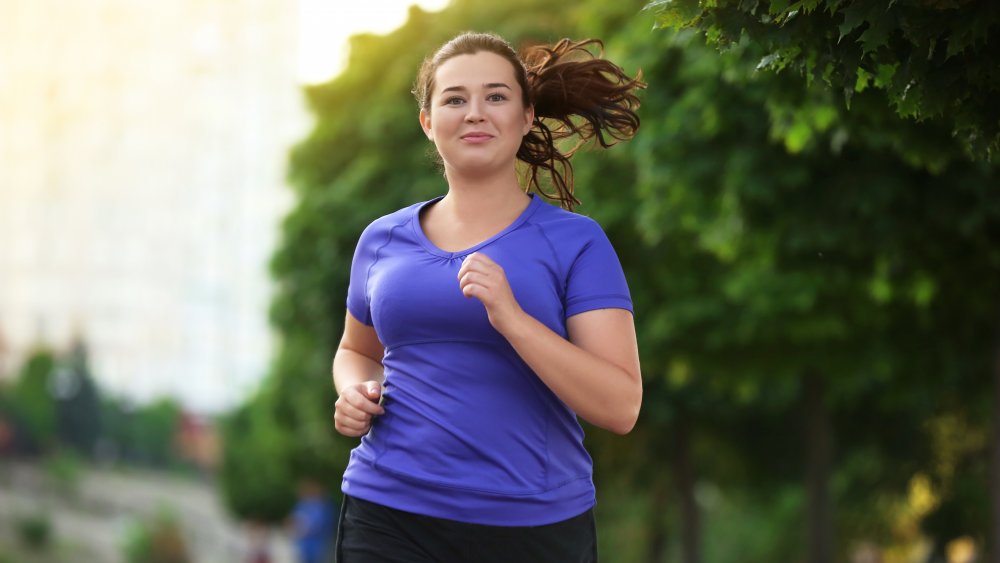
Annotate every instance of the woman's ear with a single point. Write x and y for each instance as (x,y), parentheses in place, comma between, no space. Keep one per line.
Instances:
(529,119)
(425,124)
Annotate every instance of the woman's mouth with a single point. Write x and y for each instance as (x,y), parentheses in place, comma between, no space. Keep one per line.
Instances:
(476,137)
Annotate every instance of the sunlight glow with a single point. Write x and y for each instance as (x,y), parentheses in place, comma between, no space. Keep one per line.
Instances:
(325,25)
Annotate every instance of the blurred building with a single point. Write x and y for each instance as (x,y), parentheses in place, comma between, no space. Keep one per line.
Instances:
(142,158)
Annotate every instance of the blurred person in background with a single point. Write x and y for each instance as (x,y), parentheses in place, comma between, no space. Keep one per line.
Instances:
(258,544)
(481,323)
(313,523)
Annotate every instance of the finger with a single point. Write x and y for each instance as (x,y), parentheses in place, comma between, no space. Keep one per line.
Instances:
(370,390)
(373,390)
(347,421)
(476,262)
(364,404)
(344,415)
(482,258)
(364,395)
(351,430)
(348,410)
(486,276)
(474,277)
(475,290)
(467,266)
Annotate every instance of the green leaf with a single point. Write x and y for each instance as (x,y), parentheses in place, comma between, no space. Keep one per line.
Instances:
(884,75)
(877,33)
(675,14)
(778,7)
(854,16)
(864,79)
(768,61)
(778,60)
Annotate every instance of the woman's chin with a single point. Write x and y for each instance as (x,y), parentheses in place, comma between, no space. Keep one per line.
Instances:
(472,166)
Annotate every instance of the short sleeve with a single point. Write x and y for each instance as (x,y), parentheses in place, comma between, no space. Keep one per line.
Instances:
(365,254)
(596,279)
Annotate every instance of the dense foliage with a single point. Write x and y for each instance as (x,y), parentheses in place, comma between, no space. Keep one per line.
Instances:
(933,59)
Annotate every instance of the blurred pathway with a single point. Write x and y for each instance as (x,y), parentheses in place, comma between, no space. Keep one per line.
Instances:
(108,501)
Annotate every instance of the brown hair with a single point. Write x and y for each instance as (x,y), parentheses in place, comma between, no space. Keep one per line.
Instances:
(574,92)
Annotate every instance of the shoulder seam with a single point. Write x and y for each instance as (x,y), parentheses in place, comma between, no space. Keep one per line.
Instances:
(368,273)
(563,272)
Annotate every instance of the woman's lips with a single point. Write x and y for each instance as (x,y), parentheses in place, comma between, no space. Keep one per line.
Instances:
(476,137)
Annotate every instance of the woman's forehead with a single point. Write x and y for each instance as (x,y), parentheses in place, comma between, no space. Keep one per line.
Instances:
(476,71)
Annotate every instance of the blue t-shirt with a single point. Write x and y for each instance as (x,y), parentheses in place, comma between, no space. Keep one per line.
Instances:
(470,433)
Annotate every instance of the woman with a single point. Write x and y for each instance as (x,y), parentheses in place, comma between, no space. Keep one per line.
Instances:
(481,323)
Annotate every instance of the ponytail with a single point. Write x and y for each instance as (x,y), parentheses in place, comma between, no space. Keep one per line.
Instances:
(575,94)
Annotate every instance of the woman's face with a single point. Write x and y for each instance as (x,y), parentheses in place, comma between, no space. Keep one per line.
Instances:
(476,117)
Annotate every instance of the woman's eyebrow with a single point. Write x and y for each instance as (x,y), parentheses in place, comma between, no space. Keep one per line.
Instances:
(486,85)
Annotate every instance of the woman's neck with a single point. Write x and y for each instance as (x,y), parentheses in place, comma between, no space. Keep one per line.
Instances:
(482,199)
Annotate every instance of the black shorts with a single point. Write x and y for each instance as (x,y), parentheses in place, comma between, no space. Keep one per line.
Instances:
(372,533)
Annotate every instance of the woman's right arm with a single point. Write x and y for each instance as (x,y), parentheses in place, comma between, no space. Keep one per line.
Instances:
(357,376)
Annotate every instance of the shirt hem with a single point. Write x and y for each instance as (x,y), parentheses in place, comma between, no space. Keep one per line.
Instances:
(365,480)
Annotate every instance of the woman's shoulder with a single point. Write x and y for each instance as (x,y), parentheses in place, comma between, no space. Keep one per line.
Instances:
(386,223)
(555,221)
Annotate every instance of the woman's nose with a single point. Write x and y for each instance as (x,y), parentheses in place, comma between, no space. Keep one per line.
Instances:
(474,114)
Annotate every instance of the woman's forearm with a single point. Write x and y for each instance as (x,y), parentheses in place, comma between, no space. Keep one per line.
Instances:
(599,391)
(351,367)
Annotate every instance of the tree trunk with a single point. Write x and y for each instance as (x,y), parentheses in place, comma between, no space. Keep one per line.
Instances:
(657,522)
(685,478)
(819,459)
(993,538)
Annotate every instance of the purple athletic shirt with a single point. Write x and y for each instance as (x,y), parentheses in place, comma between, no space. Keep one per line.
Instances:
(470,433)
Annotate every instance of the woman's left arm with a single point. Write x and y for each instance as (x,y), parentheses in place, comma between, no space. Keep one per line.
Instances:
(595,372)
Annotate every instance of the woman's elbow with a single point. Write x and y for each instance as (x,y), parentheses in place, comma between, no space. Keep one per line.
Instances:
(626,423)
(627,414)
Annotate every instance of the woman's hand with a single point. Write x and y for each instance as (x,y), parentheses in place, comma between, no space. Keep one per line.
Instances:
(355,408)
(484,279)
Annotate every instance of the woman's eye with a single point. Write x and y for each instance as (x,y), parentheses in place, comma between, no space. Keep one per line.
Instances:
(453,101)
(496,97)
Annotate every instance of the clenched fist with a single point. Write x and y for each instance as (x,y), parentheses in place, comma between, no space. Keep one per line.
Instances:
(355,408)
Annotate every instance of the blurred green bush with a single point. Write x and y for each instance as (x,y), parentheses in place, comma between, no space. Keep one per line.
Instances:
(156,540)
(35,530)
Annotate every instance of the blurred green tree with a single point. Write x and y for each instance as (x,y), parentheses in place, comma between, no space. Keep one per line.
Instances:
(142,434)
(832,254)
(933,62)
(78,410)
(257,481)
(33,404)
(152,431)
(115,440)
